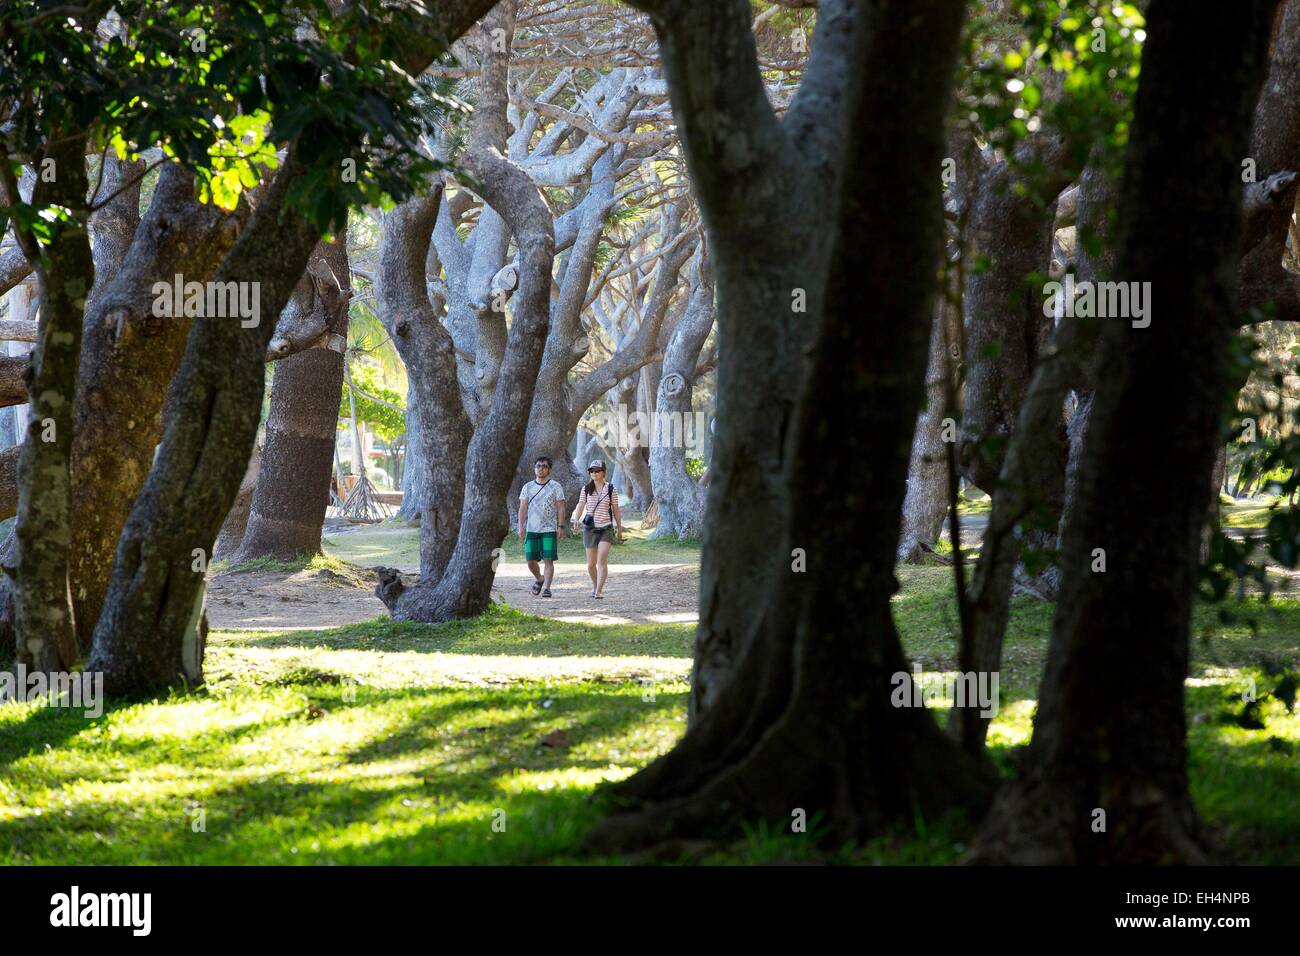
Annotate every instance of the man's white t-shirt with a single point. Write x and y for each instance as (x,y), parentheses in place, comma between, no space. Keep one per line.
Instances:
(542,514)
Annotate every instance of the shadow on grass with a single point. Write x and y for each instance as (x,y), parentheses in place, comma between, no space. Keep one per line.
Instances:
(409,776)
(501,631)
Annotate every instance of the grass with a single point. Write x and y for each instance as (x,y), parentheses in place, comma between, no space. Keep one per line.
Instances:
(1250,513)
(974,502)
(390,742)
(305,562)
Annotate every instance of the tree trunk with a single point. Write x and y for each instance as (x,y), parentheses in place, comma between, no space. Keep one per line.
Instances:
(1106,780)
(464,588)
(437,446)
(806,724)
(926,501)
(236,523)
(42,611)
(679,496)
(9,481)
(631,460)
(128,361)
(148,636)
(1005,325)
(288,508)
(1026,504)
(764,192)
(8,634)
(415,470)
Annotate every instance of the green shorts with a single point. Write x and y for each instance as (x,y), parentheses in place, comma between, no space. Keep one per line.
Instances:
(540,546)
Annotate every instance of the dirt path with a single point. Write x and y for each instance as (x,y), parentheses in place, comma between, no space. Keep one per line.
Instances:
(634,593)
(316,599)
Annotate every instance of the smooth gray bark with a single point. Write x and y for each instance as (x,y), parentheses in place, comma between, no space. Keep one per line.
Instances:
(926,501)
(680,497)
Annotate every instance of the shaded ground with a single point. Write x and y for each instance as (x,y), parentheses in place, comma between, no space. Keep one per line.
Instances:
(290,600)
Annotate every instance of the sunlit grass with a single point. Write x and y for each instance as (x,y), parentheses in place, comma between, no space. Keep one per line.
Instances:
(304,562)
(388,742)
(1251,513)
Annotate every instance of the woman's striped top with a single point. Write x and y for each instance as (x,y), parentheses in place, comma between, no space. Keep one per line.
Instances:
(600,505)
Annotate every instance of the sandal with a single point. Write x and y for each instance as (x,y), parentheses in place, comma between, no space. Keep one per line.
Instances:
(599,595)
(537,587)
(546,593)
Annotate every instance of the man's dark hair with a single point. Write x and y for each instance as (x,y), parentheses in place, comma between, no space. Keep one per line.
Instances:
(543,458)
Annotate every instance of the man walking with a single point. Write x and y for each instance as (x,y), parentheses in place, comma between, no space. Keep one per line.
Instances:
(541,523)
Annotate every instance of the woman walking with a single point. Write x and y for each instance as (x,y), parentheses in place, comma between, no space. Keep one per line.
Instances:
(600,515)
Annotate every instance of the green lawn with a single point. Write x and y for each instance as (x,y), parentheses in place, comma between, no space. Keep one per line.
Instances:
(401,743)
(1252,514)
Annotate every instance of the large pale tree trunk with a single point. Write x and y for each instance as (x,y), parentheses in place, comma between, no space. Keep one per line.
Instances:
(680,497)
(927,473)
(415,470)
(437,446)
(463,588)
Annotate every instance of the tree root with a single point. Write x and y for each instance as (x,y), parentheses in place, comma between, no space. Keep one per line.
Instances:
(1041,823)
(802,767)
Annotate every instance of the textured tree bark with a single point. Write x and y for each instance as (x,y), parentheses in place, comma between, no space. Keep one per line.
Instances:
(128,360)
(8,634)
(807,721)
(680,497)
(463,589)
(113,227)
(42,611)
(9,482)
(437,447)
(415,470)
(1004,315)
(1106,777)
(148,636)
(236,523)
(288,507)
(13,385)
(1264,284)
(14,268)
(634,470)
(926,500)
(750,173)
(1029,492)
